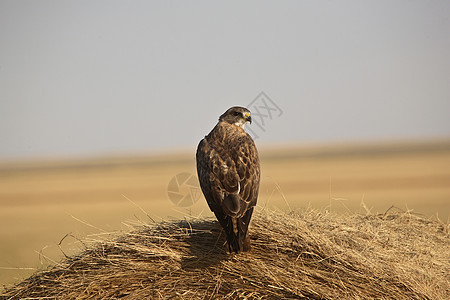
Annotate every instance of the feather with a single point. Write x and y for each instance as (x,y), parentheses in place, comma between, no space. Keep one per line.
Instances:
(229,175)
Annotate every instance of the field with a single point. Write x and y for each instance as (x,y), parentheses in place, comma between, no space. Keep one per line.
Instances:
(308,254)
(43,202)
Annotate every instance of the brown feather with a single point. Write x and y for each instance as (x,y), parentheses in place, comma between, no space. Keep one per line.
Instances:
(229,174)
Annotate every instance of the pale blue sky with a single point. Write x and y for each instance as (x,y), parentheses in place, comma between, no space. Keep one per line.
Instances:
(80,78)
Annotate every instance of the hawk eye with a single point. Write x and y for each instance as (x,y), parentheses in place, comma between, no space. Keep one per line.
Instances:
(236,113)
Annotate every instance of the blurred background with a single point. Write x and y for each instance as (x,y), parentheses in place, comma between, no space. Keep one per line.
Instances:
(103,103)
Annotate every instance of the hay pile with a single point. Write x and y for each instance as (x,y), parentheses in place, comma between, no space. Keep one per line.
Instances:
(309,254)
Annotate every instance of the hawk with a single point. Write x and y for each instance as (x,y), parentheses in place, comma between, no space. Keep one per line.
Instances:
(228,171)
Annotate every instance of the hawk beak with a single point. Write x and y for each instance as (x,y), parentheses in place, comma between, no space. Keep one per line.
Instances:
(248,118)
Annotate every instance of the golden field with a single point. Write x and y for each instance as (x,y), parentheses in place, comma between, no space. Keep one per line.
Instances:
(42,202)
(307,254)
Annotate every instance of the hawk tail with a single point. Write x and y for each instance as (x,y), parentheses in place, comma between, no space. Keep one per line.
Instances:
(238,240)
(235,242)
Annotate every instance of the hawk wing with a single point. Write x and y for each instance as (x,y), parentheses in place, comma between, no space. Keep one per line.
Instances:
(229,174)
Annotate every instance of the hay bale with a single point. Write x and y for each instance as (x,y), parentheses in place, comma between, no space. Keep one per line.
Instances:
(299,255)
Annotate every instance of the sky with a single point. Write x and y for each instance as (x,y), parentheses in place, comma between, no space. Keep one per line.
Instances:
(89,78)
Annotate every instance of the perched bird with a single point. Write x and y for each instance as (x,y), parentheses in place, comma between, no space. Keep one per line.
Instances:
(228,171)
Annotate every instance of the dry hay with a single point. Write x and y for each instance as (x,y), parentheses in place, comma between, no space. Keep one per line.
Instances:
(308,254)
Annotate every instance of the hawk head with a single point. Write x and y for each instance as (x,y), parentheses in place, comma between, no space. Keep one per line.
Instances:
(236,115)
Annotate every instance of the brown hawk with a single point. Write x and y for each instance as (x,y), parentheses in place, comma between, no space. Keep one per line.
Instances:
(228,171)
